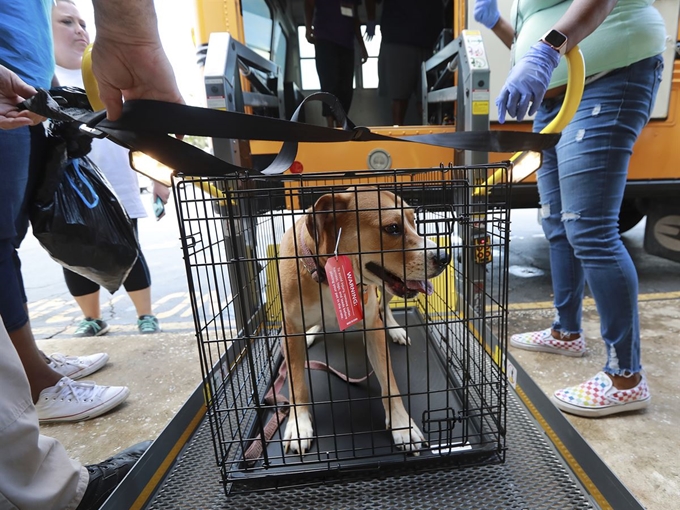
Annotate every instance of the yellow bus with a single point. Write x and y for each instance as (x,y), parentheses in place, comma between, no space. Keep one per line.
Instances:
(275,31)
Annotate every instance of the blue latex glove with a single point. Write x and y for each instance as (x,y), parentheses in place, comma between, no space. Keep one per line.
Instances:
(527,82)
(487,13)
(370,29)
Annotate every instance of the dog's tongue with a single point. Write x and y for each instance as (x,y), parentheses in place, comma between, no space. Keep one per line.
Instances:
(421,286)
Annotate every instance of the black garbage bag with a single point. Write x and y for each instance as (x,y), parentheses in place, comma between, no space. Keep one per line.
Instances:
(78,219)
(75,213)
(65,104)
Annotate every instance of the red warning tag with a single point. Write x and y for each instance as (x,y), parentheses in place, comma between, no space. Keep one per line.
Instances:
(344,292)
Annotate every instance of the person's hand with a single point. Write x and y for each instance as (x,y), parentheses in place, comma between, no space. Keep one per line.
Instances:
(527,82)
(364,54)
(370,29)
(487,13)
(13,90)
(161,191)
(309,35)
(132,71)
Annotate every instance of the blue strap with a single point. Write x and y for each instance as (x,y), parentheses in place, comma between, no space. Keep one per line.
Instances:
(95,199)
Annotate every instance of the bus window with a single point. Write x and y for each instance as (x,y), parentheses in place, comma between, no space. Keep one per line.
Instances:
(369,71)
(280,47)
(257,24)
(310,79)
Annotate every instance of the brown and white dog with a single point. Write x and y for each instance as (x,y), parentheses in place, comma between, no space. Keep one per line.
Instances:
(382,227)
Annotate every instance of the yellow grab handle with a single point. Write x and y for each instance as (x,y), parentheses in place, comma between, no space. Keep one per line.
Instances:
(576,73)
(211,190)
(90,82)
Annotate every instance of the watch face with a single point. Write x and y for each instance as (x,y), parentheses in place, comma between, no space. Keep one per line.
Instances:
(555,39)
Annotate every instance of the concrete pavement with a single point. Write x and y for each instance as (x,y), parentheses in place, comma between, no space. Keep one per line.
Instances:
(163,370)
(640,447)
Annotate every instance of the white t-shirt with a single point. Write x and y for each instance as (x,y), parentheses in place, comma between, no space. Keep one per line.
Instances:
(112,159)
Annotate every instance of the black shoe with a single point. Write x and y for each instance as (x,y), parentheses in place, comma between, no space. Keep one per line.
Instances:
(105,476)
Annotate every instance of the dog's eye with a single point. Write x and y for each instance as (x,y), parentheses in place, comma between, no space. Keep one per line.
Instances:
(393,229)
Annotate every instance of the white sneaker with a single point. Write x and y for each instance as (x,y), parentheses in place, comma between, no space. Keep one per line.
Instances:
(71,400)
(77,367)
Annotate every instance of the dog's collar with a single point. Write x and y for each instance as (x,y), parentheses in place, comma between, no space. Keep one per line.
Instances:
(317,272)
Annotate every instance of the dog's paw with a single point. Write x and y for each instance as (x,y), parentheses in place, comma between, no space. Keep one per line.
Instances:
(298,435)
(408,437)
(399,336)
(312,334)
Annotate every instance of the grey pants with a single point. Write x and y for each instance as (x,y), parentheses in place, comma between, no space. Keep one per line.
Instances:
(36,473)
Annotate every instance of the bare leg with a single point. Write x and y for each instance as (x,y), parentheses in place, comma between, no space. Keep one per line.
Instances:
(89,305)
(142,301)
(625,383)
(39,373)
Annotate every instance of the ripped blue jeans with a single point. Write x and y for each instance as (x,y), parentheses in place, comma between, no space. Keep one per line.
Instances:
(581,185)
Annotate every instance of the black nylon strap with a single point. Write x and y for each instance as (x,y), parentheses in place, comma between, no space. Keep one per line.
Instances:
(144,125)
(182,157)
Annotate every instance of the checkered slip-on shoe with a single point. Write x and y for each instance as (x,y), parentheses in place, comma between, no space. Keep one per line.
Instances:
(597,397)
(544,342)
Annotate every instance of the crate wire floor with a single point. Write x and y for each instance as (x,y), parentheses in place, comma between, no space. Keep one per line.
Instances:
(349,420)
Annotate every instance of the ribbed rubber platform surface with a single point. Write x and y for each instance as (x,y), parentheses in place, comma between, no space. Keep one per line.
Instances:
(533,477)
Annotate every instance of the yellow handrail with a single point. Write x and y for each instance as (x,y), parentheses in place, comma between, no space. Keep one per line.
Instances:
(90,81)
(576,72)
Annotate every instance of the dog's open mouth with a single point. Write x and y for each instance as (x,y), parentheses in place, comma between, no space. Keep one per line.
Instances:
(406,289)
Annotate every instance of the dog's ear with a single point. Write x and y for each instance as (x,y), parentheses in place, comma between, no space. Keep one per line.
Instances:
(321,218)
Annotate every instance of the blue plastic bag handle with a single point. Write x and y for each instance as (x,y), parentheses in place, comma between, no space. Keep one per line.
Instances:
(76,167)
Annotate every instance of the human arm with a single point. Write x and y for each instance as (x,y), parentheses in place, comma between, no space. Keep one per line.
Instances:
(486,12)
(309,17)
(128,59)
(13,90)
(530,77)
(371,22)
(582,18)
(504,32)
(360,40)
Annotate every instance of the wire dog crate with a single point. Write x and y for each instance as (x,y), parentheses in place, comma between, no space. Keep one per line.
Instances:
(428,253)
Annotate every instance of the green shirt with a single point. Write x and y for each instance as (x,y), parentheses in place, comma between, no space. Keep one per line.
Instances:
(633,31)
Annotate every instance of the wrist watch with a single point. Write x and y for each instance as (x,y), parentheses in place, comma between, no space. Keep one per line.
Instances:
(556,40)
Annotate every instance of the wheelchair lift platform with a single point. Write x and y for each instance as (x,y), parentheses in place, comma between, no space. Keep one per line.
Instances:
(547,465)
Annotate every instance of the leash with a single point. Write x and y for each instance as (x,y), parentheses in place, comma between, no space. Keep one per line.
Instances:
(275,398)
(145,126)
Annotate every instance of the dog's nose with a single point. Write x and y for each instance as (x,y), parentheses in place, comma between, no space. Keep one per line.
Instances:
(442,257)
